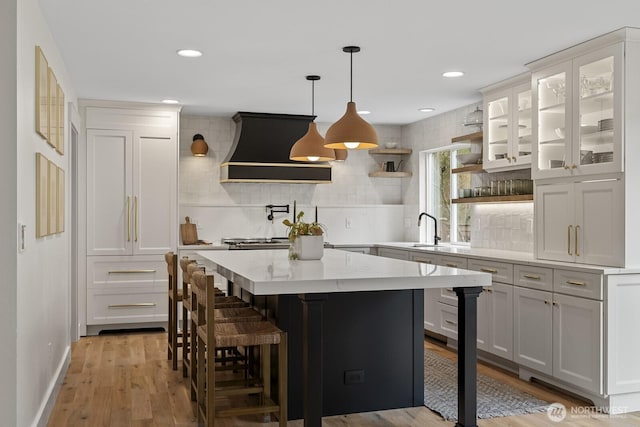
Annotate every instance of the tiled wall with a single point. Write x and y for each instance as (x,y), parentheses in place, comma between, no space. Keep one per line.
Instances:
(352,194)
(506,226)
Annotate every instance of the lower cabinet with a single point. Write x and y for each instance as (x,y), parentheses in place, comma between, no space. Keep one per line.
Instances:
(499,320)
(559,335)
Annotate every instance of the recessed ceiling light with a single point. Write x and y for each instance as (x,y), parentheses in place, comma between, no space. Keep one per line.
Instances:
(426,110)
(364,112)
(452,74)
(189,53)
(170,101)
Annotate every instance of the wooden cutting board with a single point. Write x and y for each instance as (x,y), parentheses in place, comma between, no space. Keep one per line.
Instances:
(189,232)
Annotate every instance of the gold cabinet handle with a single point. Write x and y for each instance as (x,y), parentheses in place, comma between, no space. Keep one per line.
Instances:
(489,270)
(425,261)
(490,291)
(514,159)
(128,218)
(449,264)
(576,282)
(140,304)
(135,204)
(532,276)
(569,239)
(451,322)
(130,271)
(576,240)
(566,166)
(555,303)
(574,167)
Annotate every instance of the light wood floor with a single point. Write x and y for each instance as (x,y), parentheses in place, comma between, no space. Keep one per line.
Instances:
(126,380)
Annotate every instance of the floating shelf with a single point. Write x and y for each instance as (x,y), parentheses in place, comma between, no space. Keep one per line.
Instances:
(383,174)
(390,151)
(475,137)
(468,169)
(495,199)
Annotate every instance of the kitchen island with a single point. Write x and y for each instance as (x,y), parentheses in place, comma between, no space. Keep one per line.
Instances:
(355,325)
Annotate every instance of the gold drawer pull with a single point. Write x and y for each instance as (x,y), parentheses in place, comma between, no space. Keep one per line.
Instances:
(130,271)
(532,276)
(490,291)
(489,270)
(451,322)
(450,264)
(577,283)
(140,304)
(426,261)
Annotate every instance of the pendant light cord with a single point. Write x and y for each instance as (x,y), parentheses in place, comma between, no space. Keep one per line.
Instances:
(351,77)
(313,94)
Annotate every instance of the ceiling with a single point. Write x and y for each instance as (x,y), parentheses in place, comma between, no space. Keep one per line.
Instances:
(257,53)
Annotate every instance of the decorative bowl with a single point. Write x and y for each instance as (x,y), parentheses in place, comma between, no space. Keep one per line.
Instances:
(390,144)
(469,158)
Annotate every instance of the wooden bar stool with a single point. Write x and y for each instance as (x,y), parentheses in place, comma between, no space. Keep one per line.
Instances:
(213,334)
(188,312)
(175,296)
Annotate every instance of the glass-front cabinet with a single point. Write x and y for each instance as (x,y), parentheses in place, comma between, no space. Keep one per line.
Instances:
(578,121)
(507,121)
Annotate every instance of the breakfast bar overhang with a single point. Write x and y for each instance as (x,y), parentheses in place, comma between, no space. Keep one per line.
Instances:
(361,308)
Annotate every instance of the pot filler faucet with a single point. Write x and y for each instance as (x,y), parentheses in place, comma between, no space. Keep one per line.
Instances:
(435,222)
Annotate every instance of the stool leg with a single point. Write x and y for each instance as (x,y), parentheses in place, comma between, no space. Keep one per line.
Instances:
(173,315)
(169,331)
(200,401)
(193,365)
(186,347)
(282,379)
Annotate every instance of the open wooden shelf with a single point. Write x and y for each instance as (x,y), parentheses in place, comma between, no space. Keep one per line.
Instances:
(475,137)
(495,199)
(383,174)
(390,151)
(468,169)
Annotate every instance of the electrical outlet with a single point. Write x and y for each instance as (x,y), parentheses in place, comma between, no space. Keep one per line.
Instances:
(354,377)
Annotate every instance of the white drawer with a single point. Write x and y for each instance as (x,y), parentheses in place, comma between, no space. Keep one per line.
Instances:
(453,261)
(424,258)
(448,296)
(142,273)
(448,316)
(540,278)
(577,283)
(393,253)
(109,306)
(500,271)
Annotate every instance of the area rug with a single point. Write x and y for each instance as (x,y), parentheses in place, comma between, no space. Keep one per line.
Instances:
(495,398)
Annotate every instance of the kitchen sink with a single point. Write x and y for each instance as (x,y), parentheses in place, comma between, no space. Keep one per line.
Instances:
(423,245)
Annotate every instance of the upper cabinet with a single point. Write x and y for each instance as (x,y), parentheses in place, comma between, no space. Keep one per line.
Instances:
(507,124)
(577,125)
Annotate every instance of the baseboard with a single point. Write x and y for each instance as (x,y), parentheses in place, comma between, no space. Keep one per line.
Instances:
(42,417)
(96,329)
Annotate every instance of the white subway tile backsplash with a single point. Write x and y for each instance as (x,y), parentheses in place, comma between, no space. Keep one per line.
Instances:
(503,226)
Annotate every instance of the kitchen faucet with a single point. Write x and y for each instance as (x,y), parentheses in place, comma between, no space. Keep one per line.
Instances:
(275,209)
(435,222)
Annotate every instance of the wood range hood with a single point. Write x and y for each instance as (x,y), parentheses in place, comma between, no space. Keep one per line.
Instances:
(260,151)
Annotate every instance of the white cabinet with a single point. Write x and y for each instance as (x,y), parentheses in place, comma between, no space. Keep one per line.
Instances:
(533,324)
(577,124)
(393,253)
(581,222)
(132,192)
(131,211)
(507,119)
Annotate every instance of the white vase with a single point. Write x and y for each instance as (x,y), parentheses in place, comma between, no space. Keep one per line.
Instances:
(308,247)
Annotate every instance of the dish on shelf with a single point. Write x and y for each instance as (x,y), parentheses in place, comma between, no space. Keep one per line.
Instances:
(605,124)
(556,164)
(560,132)
(586,157)
(390,144)
(501,156)
(604,157)
(469,158)
(524,153)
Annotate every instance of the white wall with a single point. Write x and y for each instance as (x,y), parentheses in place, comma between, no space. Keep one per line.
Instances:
(237,210)
(8,220)
(43,289)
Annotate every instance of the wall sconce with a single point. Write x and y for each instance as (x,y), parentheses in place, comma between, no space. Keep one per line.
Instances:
(199,147)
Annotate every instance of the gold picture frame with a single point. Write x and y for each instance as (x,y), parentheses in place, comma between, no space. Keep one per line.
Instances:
(60,202)
(60,111)
(53,109)
(42,94)
(42,196)
(53,198)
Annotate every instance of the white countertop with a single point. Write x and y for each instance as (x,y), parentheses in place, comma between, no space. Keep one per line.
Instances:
(270,272)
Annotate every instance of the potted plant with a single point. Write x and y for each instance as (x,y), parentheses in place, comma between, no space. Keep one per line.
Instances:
(307,241)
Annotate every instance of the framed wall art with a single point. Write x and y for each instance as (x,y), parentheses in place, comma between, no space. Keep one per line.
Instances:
(53,198)
(60,114)
(53,109)
(60,202)
(42,196)
(42,94)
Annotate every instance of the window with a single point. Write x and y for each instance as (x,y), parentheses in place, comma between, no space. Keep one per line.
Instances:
(438,187)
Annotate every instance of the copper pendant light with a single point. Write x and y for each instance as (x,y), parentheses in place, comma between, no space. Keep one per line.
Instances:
(351,131)
(310,148)
(199,147)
